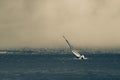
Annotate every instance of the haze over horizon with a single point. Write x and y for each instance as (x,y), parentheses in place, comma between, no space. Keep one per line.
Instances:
(42,23)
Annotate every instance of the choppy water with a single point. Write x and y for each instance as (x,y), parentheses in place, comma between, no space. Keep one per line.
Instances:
(59,67)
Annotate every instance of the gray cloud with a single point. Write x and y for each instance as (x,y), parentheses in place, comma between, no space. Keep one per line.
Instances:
(41,23)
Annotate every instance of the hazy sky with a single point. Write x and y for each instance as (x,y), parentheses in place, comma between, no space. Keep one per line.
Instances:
(41,23)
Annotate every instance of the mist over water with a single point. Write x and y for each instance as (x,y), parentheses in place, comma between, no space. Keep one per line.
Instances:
(42,23)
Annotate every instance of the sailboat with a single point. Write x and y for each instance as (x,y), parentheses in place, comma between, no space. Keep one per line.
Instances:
(75,52)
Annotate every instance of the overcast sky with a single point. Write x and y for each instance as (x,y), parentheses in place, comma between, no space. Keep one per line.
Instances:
(41,23)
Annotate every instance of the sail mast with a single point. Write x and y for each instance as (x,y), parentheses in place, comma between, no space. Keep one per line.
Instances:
(68,43)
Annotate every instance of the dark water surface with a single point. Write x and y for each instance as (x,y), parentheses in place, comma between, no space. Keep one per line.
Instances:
(59,67)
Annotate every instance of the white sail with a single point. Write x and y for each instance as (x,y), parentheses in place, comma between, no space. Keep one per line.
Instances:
(76,53)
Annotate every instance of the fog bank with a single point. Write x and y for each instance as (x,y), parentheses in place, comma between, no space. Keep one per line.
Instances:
(42,23)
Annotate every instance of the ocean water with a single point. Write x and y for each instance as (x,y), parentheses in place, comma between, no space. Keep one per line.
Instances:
(50,66)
